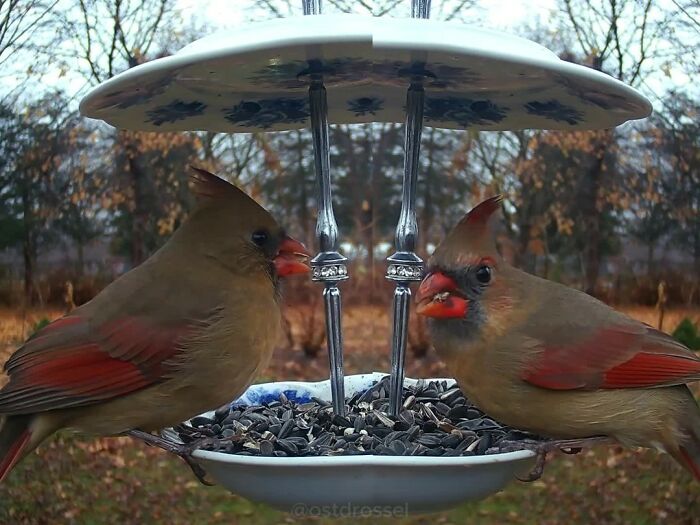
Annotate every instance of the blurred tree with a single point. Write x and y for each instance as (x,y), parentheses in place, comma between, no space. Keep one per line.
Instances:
(446,181)
(27,31)
(33,144)
(110,36)
(578,172)
(454,10)
(680,142)
(80,182)
(288,181)
(368,161)
(148,189)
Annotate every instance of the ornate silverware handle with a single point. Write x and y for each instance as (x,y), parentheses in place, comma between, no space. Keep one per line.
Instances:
(404,266)
(311,7)
(419,8)
(328,266)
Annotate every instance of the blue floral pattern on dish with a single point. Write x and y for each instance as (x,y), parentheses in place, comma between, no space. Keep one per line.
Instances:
(555,110)
(268,112)
(589,94)
(463,111)
(348,70)
(295,74)
(140,95)
(365,106)
(176,110)
(436,74)
(262,396)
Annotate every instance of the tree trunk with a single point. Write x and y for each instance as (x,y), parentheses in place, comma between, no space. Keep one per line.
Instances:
(592,215)
(28,253)
(138,214)
(304,218)
(28,246)
(426,219)
(81,257)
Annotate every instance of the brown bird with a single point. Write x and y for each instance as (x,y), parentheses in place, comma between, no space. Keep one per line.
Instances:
(549,359)
(184,332)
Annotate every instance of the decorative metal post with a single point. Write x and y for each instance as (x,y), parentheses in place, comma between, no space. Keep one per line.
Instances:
(404,266)
(311,7)
(420,8)
(328,266)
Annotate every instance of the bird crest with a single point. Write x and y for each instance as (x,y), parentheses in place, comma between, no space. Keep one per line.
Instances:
(206,185)
(471,238)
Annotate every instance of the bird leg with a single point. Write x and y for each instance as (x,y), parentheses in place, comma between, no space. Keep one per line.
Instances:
(182,450)
(567,446)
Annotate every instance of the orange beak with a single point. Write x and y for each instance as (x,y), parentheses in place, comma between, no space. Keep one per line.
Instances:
(291,258)
(438,297)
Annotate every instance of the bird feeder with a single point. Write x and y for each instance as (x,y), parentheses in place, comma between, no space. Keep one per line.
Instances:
(315,70)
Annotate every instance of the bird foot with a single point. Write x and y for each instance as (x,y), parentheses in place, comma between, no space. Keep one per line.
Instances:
(566,446)
(182,450)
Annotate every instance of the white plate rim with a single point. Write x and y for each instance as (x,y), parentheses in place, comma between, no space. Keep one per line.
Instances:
(364,460)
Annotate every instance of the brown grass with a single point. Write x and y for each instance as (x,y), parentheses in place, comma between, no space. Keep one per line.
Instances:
(115,480)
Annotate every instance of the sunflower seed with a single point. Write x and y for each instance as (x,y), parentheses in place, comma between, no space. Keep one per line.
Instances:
(286,429)
(287,446)
(435,420)
(266,448)
(384,420)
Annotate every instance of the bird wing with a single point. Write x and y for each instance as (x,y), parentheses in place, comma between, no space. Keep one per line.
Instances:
(625,355)
(72,363)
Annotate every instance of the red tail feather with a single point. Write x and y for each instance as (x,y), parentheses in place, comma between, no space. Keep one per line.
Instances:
(689,463)
(14,437)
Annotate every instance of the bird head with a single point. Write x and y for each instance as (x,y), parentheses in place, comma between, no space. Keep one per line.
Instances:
(461,284)
(229,227)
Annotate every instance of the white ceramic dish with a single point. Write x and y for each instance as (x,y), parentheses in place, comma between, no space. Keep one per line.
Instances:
(256,78)
(413,484)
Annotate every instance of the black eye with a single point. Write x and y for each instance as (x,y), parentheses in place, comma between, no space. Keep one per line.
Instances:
(483,274)
(260,237)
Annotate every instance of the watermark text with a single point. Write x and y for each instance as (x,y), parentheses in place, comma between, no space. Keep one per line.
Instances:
(350,510)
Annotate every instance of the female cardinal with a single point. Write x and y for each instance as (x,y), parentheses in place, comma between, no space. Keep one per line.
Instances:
(185,332)
(546,358)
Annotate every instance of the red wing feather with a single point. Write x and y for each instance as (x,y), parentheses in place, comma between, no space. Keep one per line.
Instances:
(648,370)
(69,364)
(632,356)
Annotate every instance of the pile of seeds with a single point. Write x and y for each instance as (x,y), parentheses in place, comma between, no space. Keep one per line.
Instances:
(436,420)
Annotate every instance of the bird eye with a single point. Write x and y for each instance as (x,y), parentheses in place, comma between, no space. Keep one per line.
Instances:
(483,274)
(260,237)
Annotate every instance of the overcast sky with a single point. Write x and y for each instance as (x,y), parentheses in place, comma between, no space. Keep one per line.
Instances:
(224,14)
(493,14)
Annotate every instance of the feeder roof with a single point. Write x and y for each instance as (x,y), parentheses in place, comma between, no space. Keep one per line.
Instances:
(256,78)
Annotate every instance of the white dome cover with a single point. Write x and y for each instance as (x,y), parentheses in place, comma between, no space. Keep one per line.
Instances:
(256,78)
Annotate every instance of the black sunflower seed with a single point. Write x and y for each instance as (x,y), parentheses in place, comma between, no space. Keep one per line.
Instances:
(435,419)
(287,446)
(200,421)
(266,448)
(286,428)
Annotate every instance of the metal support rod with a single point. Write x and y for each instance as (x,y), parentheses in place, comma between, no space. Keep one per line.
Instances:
(334,334)
(404,265)
(420,8)
(328,266)
(311,7)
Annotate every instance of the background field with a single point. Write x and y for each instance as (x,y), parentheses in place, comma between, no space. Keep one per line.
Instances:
(614,213)
(73,479)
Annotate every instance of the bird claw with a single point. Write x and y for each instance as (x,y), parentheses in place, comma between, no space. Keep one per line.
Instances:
(566,446)
(182,450)
(536,471)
